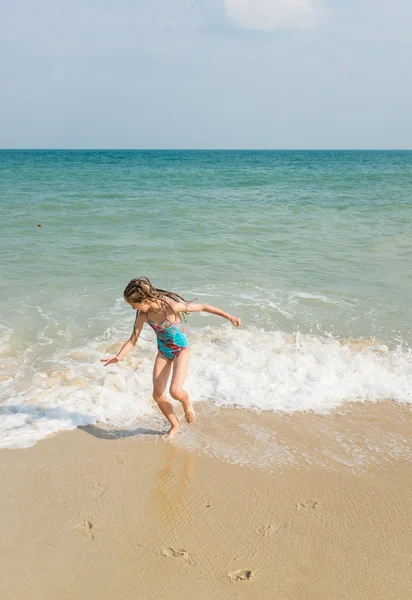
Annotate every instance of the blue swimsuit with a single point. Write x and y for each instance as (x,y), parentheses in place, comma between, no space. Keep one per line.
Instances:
(171,338)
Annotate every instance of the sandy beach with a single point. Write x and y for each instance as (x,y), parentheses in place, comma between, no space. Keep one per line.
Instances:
(207,200)
(99,513)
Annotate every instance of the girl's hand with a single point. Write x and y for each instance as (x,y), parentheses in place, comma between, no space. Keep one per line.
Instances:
(235,321)
(109,361)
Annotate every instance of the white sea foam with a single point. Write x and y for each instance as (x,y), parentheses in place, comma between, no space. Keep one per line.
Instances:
(274,371)
(245,368)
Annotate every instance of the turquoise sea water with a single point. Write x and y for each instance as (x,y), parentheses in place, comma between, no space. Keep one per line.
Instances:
(312,249)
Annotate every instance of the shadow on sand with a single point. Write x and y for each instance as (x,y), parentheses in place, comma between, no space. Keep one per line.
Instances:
(115,434)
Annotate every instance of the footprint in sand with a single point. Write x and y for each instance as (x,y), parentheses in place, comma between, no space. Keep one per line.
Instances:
(99,490)
(242,575)
(178,553)
(86,529)
(269,530)
(307,505)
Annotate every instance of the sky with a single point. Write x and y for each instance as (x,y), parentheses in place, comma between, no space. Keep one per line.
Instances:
(206,74)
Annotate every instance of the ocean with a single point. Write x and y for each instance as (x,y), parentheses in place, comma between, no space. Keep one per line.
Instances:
(312,249)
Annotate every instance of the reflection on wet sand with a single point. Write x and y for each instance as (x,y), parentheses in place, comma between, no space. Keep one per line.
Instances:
(172,488)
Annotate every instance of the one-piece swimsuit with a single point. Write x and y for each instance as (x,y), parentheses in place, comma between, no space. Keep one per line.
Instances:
(171,338)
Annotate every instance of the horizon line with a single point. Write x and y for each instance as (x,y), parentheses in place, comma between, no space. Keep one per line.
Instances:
(205,149)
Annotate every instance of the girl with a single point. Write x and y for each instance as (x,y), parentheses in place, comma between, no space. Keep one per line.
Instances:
(161,310)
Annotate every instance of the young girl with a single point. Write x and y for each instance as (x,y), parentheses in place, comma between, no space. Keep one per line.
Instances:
(161,310)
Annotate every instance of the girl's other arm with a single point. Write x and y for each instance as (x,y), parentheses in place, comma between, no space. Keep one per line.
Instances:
(213,310)
(131,342)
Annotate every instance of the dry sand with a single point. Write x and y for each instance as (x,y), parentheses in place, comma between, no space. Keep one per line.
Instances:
(88,516)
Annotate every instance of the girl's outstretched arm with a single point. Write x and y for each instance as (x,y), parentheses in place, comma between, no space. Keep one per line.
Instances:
(131,342)
(197,307)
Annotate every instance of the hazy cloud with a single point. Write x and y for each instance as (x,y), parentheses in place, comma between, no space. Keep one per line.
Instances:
(268,15)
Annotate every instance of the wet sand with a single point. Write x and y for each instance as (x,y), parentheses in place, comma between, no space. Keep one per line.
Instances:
(96,514)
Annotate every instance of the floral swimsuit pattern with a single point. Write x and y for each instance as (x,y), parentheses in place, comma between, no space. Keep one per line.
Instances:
(171,338)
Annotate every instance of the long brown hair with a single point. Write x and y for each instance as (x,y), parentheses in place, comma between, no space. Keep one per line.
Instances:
(139,289)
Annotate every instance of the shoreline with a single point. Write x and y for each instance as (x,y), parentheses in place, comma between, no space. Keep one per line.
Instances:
(93,516)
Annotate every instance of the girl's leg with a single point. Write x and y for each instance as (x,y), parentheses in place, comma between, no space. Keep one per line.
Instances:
(180,365)
(161,372)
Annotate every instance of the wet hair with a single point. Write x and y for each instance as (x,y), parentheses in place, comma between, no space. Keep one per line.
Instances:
(140,289)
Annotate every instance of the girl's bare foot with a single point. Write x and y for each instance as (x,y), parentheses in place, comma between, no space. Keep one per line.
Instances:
(172,431)
(189,412)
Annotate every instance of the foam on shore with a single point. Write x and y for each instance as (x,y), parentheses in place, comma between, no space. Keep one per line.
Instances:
(249,369)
